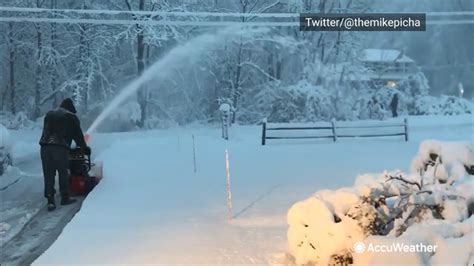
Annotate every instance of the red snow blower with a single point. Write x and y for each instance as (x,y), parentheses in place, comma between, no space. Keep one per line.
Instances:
(85,175)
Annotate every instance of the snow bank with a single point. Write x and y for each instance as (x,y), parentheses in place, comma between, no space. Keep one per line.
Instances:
(390,209)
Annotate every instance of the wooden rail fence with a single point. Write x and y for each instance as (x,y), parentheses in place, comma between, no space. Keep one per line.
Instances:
(403,131)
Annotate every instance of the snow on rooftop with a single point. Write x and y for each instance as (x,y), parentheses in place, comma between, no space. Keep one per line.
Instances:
(384,55)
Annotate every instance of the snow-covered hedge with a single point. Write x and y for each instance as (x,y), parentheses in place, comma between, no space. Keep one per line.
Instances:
(301,102)
(305,102)
(421,208)
(443,105)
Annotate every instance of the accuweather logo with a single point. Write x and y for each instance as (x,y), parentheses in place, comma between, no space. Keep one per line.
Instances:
(361,247)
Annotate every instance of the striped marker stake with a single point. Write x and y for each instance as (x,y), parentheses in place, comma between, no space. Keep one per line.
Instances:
(229,192)
(194,154)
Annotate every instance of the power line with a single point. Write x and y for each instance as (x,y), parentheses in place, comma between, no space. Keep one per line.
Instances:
(150,13)
(294,22)
(196,14)
(187,23)
(148,22)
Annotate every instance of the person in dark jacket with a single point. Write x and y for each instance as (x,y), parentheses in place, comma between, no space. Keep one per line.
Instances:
(61,127)
(394,105)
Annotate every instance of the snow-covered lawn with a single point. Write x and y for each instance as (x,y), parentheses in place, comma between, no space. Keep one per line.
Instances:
(152,208)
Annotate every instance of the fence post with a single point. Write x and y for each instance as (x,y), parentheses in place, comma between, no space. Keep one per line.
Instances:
(334,137)
(264,131)
(406,128)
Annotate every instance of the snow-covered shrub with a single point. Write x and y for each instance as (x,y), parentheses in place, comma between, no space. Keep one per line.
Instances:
(318,102)
(443,105)
(453,105)
(318,234)
(389,208)
(5,149)
(17,121)
(445,161)
(301,102)
(426,105)
(414,85)
(306,102)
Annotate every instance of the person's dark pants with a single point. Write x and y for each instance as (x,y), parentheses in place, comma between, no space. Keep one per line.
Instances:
(55,159)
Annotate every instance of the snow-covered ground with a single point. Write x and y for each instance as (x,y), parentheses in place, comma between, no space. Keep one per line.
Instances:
(152,208)
(20,185)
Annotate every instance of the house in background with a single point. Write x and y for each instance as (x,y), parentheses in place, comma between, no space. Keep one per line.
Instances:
(386,67)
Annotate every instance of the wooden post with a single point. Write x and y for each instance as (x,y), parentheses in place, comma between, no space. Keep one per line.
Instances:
(406,128)
(229,191)
(225,126)
(222,126)
(264,131)
(334,137)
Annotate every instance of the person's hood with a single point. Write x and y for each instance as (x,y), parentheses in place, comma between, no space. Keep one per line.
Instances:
(68,104)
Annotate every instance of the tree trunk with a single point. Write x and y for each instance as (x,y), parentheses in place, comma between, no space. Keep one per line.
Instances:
(12,68)
(53,69)
(82,73)
(4,96)
(142,93)
(236,86)
(39,44)
(88,83)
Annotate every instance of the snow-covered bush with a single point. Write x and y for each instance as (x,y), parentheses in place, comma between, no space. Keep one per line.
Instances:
(414,85)
(305,102)
(389,208)
(5,149)
(17,121)
(453,105)
(446,162)
(443,105)
(426,105)
(301,102)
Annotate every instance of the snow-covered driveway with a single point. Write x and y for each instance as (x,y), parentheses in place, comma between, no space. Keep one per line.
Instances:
(152,208)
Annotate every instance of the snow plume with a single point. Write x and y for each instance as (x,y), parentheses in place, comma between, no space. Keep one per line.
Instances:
(181,56)
(374,221)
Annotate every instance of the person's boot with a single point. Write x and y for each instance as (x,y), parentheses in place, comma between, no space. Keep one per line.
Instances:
(51,204)
(67,200)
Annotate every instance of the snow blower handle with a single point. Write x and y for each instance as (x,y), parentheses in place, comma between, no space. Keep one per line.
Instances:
(79,155)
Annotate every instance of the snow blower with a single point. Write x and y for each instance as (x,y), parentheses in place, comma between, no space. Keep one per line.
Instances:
(85,175)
